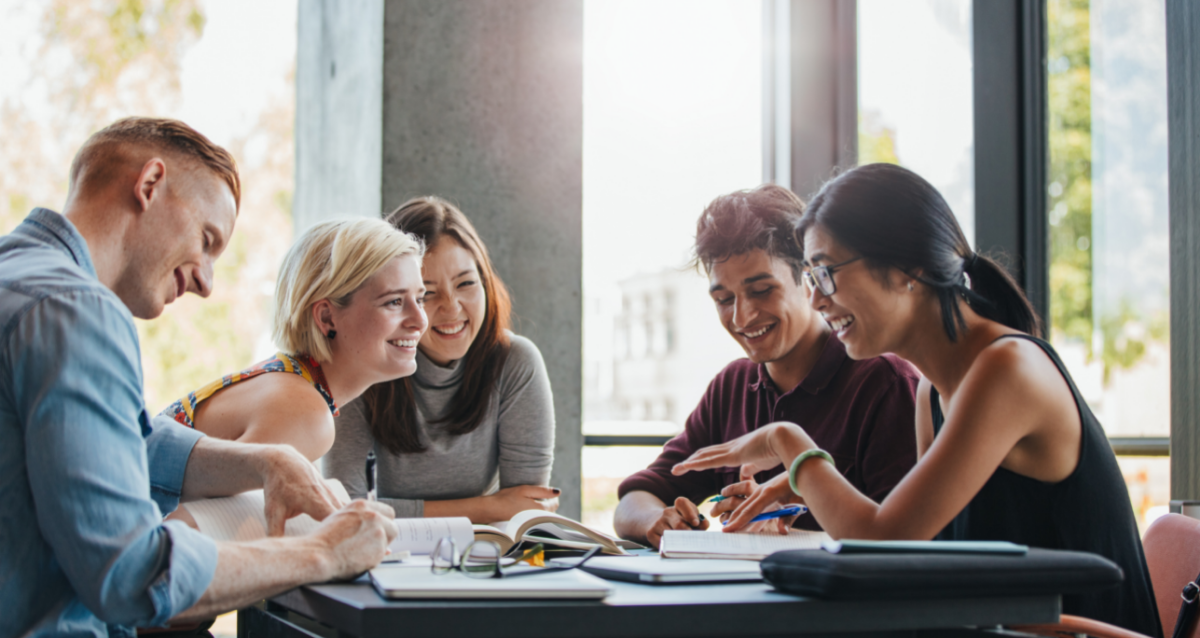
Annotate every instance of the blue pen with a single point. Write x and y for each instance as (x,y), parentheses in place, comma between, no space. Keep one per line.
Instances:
(787,511)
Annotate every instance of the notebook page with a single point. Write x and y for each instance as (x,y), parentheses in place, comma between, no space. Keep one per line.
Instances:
(683,542)
(241,518)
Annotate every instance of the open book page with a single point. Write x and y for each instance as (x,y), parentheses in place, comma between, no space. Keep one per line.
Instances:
(690,544)
(571,533)
(242,518)
(420,535)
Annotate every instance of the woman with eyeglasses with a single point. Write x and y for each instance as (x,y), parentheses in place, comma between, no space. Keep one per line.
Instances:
(1008,449)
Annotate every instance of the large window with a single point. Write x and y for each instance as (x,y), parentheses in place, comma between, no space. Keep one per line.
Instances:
(225,67)
(672,118)
(915,94)
(76,67)
(1107,211)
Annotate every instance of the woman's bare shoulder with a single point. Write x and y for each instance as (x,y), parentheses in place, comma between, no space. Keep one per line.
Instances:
(1014,378)
(277,408)
(1015,360)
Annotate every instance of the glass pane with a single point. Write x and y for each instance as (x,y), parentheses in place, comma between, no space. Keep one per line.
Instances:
(1107,210)
(672,118)
(1107,198)
(915,94)
(225,67)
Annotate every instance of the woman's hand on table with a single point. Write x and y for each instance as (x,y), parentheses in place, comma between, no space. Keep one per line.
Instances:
(510,501)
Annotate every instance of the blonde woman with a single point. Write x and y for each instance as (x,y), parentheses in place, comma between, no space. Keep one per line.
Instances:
(349,311)
(472,433)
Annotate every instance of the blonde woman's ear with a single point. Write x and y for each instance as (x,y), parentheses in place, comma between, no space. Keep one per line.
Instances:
(323,317)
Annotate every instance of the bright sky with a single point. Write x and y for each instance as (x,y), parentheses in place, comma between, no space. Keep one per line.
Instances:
(672,118)
(229,75)
(239,65)
(922,49)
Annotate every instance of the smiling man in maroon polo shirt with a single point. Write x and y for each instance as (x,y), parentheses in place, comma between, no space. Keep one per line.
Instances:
(796,370)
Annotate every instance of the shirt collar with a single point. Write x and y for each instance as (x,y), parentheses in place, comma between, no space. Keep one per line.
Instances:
(832,355)
(52,228)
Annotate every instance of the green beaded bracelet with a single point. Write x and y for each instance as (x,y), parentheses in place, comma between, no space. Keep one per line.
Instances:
(804,456)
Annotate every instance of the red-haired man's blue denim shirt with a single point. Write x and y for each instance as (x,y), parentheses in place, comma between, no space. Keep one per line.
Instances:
(85,479)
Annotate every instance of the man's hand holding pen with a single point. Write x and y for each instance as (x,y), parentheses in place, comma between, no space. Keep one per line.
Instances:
(683,514)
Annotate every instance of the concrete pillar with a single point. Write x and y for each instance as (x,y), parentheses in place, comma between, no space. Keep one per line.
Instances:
(481,102)
(1183,125)
(339,110)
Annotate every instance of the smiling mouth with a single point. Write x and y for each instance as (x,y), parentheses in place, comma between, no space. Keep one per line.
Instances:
(759,332)
(841,323)
(404,343)
(450,329)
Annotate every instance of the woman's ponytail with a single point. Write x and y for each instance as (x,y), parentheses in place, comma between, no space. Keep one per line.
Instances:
(994,294)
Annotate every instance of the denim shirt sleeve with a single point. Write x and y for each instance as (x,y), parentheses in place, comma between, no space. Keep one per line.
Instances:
(80,400)
(168,447)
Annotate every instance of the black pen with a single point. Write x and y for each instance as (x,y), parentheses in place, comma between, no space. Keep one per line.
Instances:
(371,475)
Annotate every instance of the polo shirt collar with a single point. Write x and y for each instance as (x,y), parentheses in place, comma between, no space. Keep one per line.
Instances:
(52,228)
(830,361)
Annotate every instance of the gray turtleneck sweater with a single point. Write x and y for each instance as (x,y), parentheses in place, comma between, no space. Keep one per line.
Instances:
(514,445)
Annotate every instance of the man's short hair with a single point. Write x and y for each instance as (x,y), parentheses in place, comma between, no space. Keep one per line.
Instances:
(761,218)
(331,260)
(103,148)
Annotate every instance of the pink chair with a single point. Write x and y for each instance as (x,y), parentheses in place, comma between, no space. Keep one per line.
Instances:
(1172,546)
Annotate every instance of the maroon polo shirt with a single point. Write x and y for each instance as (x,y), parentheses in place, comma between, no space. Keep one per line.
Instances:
(861,412)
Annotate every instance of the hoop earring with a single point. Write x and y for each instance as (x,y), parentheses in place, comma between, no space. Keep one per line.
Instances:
(333,333)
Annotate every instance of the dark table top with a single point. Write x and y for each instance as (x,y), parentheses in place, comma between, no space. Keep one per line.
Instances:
(660,611)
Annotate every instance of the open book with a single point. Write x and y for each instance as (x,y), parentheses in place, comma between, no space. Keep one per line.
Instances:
(241,518)
(540,526)
(689,544)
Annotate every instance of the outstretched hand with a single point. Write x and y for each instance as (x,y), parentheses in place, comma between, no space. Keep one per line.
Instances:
(754,452)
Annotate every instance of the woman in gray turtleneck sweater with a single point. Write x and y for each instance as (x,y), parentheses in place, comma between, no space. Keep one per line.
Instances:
(472,432)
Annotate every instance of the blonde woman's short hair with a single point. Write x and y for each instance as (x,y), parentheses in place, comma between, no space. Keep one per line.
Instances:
(331,260)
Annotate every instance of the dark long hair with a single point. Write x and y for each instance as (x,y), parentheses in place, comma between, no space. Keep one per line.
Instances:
(390,406)
(896,219)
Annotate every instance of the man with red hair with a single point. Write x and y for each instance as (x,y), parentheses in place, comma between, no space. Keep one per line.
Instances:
(85,476)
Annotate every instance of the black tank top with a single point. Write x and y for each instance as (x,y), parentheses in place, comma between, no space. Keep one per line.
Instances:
(1088,511)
